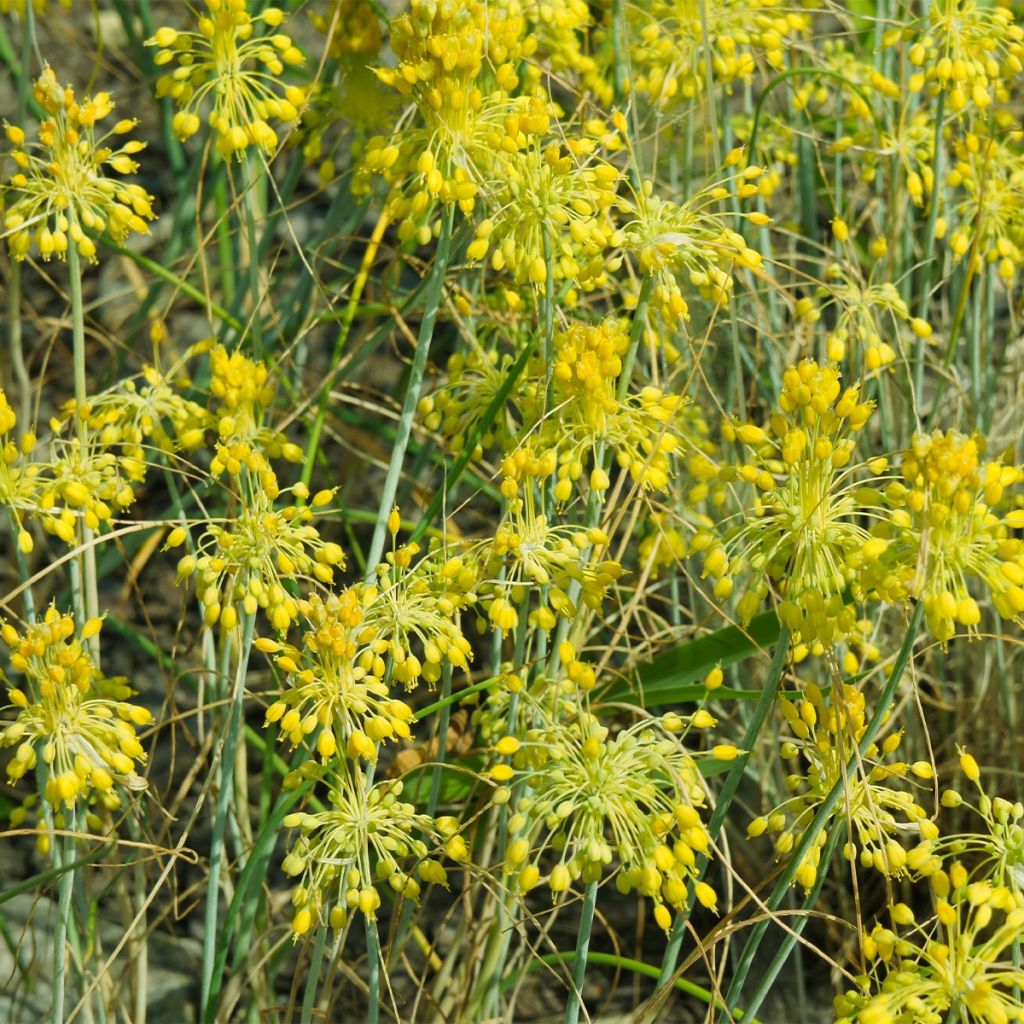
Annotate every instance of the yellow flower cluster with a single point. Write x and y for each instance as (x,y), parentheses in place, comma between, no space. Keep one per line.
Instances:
(988,205)
(595,797)
(529,551)
(958,961)
(226,65)
(692,238)
(825,736)
(68,717)
(943,532)
(244,392)
(969,50)
(59,193)
(251,560)
(804,533)
(672,41)
(335,684)
(344,853)
(997,853)
(416,611)
(858,323)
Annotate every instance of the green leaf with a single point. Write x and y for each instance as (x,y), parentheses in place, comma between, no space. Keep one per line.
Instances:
(671,677)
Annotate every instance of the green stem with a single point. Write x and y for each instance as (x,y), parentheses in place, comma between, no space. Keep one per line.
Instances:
(925,282)
(227,763)
(731,785)
(826,809)
(764,986)
(313,975)
(65,888)
(419,365)
(636,334)
(584,928)
(372,970)
(252,261)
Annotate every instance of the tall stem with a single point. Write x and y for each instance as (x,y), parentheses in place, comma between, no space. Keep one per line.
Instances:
(227,761)
(579,967)
(419,365)
(373,970)
(65,888)
(87,591)
(925,281)
(252,256)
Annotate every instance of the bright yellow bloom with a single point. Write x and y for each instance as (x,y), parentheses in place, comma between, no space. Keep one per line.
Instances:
(824,738)
(367,837)
(226,65)
(60,193)
(68,715)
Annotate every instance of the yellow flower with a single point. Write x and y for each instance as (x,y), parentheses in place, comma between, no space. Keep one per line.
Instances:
(344,853)
(60,193)
(226,63)
(691,238)
(248,561)
(943,533)
(824,738)
(595,797)
(969,50)
(68,715)
(804,533)
(960,960)
(669,49)
(335,681)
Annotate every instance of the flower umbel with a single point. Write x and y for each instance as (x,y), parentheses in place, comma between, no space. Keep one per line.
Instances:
(68,715)
(60,193)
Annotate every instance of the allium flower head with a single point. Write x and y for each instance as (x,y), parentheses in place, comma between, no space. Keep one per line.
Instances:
(969,50)
(691,238)
(247,561)
(529,551)
(550,198)
(824,738)
(67,715)
(60,192)
(804,533)
(416,609)
(335,685)
(245,391)
(227,66)
(958,962)
(866,315)
(642,430)
(670,50)
(987,204)
(596,798)
(366,839)
(86,481)
(997,852)
(943,533)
